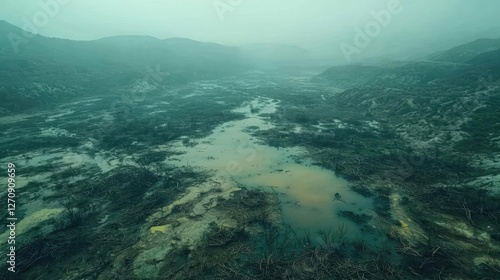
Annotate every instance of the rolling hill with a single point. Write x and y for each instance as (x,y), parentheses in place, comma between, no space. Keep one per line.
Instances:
(39,70)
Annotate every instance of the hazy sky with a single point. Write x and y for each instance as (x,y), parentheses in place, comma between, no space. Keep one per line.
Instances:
(313,24)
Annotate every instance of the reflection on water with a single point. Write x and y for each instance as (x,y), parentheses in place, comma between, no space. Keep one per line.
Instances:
(308,191)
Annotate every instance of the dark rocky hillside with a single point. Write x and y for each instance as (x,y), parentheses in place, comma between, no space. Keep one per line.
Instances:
(407,74)
(429,103)
(466,52)
(45,70)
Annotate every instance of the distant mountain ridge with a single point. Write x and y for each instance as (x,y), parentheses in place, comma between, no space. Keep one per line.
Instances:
(47,69)
(407,74)
(466,52)
(489,59)
(117,49)
(276,55)
(458,65)
(453,100)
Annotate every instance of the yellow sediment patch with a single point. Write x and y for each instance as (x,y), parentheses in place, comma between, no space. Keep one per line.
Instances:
(458,227)
(36,218)
(408,229)
(32,221)
(182,220)
(403,224)
(194,194)
(156,229)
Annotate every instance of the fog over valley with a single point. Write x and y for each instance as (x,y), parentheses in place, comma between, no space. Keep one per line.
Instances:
(234,139)
(414,28)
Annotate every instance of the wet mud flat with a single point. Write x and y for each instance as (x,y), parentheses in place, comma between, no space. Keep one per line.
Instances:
(313,198)
(429,192)
(240,178)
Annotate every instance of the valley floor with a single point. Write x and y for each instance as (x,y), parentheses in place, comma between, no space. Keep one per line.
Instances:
(264,176)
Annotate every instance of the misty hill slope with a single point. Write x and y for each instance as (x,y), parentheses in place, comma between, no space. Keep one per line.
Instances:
(349,75)
(460,65)
(490,60)
(174,53)
(275,55)
(465,116)
(407,74)
(450,103)
(466,52)
(44,70)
